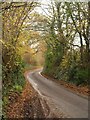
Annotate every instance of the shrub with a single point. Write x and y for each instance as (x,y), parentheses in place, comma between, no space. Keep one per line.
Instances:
(78,75)
(18,88)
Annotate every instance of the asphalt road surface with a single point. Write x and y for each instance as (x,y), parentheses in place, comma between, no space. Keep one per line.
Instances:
(73,105)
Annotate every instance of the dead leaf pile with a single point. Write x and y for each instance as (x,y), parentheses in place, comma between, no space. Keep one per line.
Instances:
(27,105)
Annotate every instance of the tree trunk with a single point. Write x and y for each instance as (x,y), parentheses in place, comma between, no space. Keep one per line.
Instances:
(81,48)
(88,34)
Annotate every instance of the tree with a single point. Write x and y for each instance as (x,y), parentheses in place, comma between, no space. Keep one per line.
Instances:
(66,21)
(13,17)
(79,19)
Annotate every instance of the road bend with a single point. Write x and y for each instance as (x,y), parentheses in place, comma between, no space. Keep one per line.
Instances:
(70,103)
